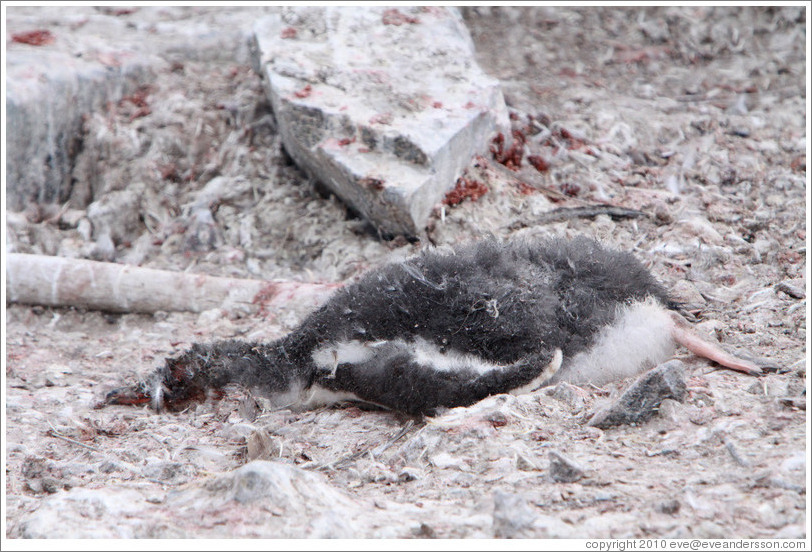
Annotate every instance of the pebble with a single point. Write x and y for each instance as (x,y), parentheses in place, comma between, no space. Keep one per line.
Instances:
(709,530)
(669,507)
(409,474)
(564,470)
(524,462)
(673,411)
(569,395)
(169,472)
(513,516)
(444,460)
(792,290)
(261,446)
(685,292)
(796,462)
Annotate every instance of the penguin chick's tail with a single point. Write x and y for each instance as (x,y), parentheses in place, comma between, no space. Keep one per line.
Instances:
(200,371)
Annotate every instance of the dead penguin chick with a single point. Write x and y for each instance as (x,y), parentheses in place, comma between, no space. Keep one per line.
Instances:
(449,328)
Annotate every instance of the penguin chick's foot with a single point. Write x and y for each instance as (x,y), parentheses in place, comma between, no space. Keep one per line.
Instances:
(684,335)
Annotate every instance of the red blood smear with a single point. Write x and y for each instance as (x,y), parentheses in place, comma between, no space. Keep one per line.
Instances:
(465,188)
(512,157)
(394,16)
(304,92)
(538,163)
(39,37)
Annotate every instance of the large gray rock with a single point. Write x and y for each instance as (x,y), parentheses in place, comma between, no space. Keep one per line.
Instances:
(384,106)
(641,401)
(85,514)
(260,499)
(288,488)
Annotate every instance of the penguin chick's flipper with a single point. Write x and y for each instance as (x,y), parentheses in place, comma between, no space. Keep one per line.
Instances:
(684,335)
(406,377)
(204,370)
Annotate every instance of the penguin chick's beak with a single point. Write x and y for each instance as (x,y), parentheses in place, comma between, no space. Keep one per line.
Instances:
(130,395)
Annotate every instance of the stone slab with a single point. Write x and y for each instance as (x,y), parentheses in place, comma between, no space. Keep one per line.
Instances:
(89,56)
(384,106)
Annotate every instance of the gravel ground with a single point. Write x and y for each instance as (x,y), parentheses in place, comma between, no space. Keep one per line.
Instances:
(694,116)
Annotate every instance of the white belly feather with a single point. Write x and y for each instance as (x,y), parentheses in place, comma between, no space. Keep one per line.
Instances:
(640,338)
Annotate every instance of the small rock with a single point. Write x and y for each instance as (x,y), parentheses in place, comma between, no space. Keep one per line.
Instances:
(796,462)
(709,530)
(771,516)
(640,402)
(764,245)
(564,470)
(169,472)
(773,387)
(497,419)
(798,403)
(710,329)
(796,531)
(669,507)
(71,218)
(202,233)
(777,387)
(85,229)
(116,214)
(790,289)
(686,292)
(662,215)
(734,453)
(110,466)
(757,388)
(673,411)
(701,416)
(261,446)
(525,463)
(379,473)
(741,132)
(43,485)
(569,395)
(444,460)
(409,474)
(210,316)
(701,228)
(43,475)
(103,249)
(513,516)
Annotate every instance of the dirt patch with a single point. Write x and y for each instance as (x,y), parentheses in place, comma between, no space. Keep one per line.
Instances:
(694,116)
